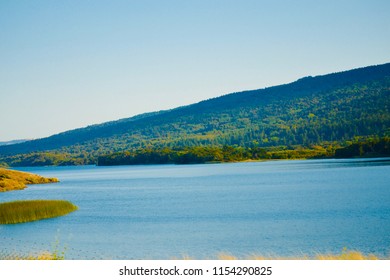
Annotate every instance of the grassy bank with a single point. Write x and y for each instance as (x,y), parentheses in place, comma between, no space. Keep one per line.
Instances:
(31,210)
(16,180)
(344,255)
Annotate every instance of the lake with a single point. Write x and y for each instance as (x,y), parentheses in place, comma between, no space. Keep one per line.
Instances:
(271,208)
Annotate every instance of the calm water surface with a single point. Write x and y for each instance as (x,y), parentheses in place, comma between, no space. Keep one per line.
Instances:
(284,208)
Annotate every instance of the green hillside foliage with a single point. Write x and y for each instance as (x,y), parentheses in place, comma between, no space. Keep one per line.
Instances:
(368,148)
(313,111)
(193,155)
(49,158)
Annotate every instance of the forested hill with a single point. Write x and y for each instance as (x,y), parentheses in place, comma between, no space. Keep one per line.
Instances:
(309,111)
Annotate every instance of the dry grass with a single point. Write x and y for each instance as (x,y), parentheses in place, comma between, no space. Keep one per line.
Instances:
(347,255)
(32,210)
(226,256)
(16,180)
(344,255)
(40,256)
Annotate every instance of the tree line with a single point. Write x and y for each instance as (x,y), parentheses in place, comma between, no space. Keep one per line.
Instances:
(358,147)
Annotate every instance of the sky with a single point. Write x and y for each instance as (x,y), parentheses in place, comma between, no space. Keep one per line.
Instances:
(70,64)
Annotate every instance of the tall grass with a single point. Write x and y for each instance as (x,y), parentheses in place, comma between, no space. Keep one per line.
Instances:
(31,210)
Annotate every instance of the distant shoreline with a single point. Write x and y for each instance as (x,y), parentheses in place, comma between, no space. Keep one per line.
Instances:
(379,159)
(367,148)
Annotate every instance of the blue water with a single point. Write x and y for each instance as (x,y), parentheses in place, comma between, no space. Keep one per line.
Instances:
(282,208)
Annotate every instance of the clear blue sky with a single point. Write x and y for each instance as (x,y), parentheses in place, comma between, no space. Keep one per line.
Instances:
(69,64)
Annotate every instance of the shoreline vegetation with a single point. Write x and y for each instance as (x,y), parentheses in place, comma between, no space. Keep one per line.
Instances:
(23,211)
(11,180)
(194,155)
(343,255)
(358,148)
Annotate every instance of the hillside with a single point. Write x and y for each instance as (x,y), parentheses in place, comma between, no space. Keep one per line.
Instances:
(310,111)
(12,142)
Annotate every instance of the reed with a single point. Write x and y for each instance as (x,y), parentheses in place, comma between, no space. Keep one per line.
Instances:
(32,210)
